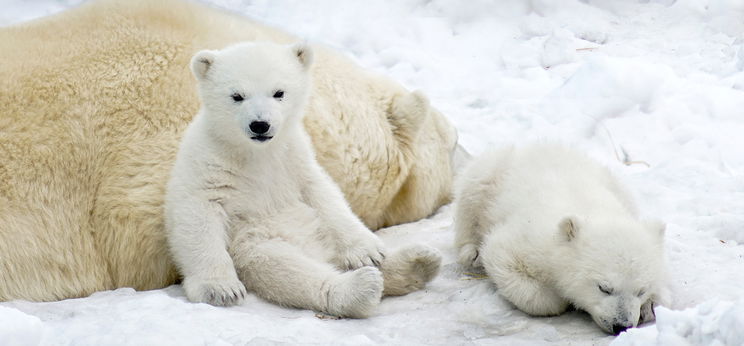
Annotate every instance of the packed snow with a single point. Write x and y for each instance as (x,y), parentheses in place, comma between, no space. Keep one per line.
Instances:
(654,89)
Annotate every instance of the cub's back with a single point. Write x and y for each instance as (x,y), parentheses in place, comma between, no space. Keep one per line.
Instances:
(542,182)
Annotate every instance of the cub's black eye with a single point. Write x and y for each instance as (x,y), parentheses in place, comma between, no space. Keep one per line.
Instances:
(237,97)
(641,293)
(279,94)
(605,290)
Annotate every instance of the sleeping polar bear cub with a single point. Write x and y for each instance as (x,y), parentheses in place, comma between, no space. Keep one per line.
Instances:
(248,206)
(552,228)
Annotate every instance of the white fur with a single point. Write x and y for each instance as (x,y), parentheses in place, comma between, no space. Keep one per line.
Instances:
(264,214)
(551,227)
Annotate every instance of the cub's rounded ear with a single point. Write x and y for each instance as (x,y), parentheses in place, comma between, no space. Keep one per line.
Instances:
(304,54)
(201,63)
(569,227)
(656,226)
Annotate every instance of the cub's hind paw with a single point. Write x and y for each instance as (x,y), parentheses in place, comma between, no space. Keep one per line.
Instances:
(469,256)
(355,293)
(410,269)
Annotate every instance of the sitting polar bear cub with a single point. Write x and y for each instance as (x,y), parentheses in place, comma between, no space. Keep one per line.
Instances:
(248,206)
(552,228)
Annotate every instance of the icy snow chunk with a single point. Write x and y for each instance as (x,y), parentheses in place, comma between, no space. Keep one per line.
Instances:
(559,48)
(728,227)
(533,25)
(18,328)
(711,323)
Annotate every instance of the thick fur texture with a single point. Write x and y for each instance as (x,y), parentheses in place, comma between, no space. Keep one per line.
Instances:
(93,103)
(247,204)
(553,228)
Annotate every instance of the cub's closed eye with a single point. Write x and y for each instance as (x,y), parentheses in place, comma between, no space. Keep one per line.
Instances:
(279,94)
(605,290)
(237,97)
(641,293)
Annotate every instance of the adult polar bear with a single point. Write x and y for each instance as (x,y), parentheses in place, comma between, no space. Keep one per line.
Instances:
(93,103)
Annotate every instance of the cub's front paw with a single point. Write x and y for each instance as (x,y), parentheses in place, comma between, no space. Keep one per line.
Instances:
(214,291)
(661,298)
(647,312)
(367,250)
(469,256)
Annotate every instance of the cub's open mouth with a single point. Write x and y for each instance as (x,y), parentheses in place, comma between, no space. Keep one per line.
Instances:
(261,138)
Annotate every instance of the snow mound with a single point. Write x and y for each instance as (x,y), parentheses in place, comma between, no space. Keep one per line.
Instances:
(711,323)
(18,328)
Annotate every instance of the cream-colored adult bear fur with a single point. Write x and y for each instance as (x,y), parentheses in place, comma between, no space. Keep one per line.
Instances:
(93,103)
(247,204)
(553,228)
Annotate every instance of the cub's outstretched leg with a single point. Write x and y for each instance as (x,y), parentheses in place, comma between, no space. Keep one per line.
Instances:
(282,273)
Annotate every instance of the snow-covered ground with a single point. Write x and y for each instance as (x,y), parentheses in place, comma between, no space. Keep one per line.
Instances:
(654,89)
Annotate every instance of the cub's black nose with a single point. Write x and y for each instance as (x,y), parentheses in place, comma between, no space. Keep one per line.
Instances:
(259,127)
(618,328)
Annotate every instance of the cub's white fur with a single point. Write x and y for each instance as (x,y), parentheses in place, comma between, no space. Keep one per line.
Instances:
(248,206)
(552,228)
